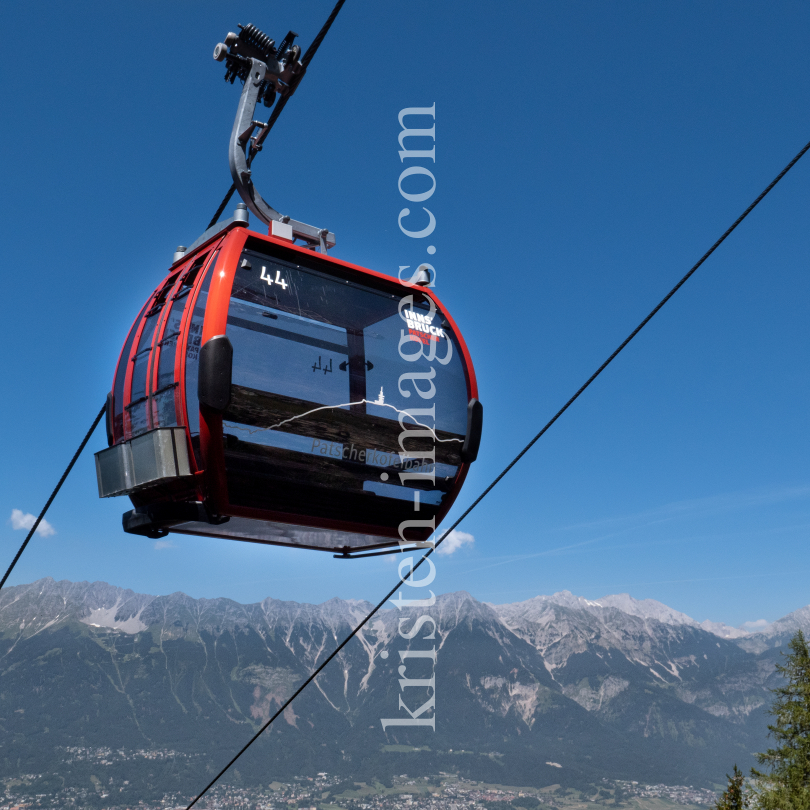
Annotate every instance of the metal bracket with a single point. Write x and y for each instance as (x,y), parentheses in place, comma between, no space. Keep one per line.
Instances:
(242,142)
(348,555)
(240,217)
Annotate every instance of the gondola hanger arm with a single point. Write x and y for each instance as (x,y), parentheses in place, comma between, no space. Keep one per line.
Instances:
(267,74)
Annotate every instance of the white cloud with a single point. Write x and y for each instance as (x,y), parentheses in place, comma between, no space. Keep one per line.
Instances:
(454,541)
(759,624)
(25,520)
(161,544)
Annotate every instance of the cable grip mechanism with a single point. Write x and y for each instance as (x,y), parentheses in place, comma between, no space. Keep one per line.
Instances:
(270,75)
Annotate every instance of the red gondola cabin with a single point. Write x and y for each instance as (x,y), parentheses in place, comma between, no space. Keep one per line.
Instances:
(273,394)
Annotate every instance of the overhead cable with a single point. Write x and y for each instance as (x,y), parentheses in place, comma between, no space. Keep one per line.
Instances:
(53,494)
(506,469)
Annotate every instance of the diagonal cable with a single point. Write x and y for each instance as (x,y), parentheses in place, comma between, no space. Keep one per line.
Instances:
(257,145)
(53,494)
(316,43)
(506,469)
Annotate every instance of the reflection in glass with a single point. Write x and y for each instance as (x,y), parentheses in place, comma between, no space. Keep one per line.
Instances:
(319,402)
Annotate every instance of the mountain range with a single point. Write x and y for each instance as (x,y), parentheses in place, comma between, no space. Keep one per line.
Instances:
(554,690)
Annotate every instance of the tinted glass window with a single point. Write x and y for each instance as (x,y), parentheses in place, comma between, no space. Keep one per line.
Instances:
(120,378)
(137,401)
(419,328)
(286,354)
(168,345)
(319,400)
(138,404)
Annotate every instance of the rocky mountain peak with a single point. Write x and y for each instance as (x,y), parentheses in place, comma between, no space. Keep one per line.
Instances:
(646,609)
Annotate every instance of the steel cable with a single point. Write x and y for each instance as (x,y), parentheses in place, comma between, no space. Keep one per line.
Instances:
(506,469)
(53,494)
(316,43)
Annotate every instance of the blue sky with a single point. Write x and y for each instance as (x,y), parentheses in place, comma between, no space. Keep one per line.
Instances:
(587,155)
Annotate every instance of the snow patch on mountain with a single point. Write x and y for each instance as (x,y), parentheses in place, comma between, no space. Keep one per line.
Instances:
(108,617)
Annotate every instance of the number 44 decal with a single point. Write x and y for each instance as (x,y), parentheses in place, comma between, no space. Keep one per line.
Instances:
(270,281)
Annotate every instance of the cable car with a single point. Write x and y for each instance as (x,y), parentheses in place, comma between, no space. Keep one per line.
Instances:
(271,393)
